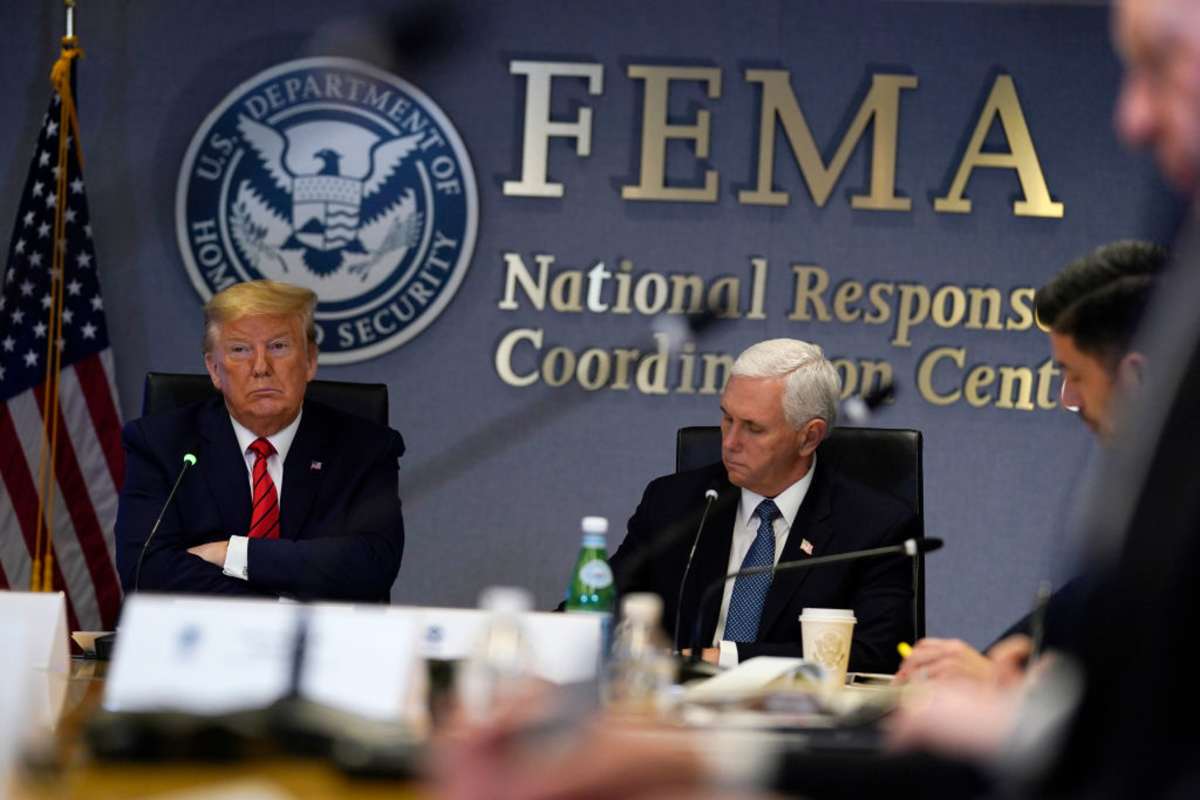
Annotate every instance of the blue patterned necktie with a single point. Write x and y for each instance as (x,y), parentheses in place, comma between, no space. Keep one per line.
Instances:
(750,591)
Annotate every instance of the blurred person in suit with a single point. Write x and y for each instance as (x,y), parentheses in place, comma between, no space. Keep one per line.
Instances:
(288,498)
(1093,309)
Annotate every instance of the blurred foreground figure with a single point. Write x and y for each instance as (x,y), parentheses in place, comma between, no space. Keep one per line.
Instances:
(1135,731)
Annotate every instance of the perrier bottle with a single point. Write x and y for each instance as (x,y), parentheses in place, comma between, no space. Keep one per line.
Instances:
(591,587)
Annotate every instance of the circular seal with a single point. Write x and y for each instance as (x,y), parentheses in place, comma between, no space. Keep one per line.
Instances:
(335,175)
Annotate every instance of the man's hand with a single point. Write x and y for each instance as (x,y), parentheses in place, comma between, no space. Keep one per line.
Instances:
(710,654)
(212,552)
(937,659)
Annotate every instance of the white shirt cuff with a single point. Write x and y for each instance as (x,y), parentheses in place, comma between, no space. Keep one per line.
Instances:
(729,654)
(236,557)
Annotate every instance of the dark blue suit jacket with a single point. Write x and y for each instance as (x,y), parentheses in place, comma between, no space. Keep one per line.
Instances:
(341,529)
(837,515)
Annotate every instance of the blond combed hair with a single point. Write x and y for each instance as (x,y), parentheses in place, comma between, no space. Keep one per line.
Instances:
(259,298)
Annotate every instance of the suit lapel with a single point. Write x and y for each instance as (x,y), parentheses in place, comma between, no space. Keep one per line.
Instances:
(813,523)
(301,473)
(224,469)
(712,561)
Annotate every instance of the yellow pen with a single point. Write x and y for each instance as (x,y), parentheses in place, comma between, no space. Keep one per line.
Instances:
(905,649)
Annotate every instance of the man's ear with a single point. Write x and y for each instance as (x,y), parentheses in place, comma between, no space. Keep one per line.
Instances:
(210,364)
(1131,370)
(812,435)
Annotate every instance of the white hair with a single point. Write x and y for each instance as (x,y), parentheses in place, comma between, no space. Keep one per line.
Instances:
(812,388)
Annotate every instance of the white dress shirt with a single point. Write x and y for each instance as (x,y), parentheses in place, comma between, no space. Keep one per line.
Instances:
(745,530)
(237,554)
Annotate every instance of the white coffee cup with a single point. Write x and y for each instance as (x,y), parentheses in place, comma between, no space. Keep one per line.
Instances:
(827,634)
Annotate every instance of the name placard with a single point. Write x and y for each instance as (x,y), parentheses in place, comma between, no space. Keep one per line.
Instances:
(212,656)
(39,635)
(565,647)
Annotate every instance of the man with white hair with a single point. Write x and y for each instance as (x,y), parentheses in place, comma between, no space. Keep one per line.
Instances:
(776,502)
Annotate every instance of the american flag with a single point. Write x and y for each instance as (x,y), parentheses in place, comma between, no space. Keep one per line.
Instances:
(86,468)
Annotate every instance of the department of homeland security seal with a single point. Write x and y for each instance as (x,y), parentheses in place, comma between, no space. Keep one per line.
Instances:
(335,175)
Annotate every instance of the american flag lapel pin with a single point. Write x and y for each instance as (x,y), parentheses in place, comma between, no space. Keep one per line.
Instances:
(315,466)
(806,546)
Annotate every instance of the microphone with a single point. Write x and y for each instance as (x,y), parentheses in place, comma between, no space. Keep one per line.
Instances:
(710,496)
(909,547)
(859,409)
(189,460)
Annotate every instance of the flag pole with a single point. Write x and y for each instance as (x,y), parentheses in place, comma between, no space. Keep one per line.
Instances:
(70,6)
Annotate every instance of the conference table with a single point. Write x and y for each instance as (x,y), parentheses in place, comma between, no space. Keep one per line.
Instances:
(65,769)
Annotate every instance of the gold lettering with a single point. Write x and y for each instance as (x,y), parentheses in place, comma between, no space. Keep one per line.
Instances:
(925,374)
(690,287)
(1002,102)
(958,306)
(656,131)
(978,297)
(811,283)
(978,378)
(539,128)
(504,353)
(910,316)
(1021,301)
(592,377)
(1016,381)
(1047,372)
(566,291)
(717,367)
(881,105)
(518,273)
(848,292)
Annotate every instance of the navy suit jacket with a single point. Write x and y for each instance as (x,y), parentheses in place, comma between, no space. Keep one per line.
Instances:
(837,516)
(341,528)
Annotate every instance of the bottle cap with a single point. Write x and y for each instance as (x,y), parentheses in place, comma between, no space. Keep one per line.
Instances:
(505,599)
(642,607)
(595,525)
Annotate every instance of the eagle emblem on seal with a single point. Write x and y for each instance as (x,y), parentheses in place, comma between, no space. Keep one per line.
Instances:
(321,214)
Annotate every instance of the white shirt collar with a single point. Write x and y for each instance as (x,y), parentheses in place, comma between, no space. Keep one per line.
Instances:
(788,501)
(281,441)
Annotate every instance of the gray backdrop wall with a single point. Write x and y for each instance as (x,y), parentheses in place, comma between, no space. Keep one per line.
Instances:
(996,479)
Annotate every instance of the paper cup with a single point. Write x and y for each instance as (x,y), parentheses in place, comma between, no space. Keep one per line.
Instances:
(827,633)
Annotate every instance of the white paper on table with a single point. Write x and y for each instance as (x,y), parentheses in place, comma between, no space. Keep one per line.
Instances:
(200,655)
(360,659)
(748,677)
(564,648)
(45,660)
(15,722)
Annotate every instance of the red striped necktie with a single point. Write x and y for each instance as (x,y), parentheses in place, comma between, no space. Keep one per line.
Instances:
(264,514)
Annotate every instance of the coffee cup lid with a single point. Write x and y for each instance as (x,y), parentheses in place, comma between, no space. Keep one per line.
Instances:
(828,615)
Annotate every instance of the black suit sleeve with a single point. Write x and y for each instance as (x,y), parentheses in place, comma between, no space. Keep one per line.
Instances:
(358,557)
(167,567)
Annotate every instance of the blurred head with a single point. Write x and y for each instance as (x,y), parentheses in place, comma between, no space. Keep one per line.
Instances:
(780,402)
(1159,104)
(1093,309)
(260,350)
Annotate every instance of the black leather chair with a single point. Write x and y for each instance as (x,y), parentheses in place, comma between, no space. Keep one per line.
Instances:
(167,390)
(886,459)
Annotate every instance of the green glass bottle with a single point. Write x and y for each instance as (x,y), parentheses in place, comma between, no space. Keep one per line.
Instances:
(591,588)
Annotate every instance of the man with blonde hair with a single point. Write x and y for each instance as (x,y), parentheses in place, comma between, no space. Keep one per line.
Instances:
(288,497)
(776,502)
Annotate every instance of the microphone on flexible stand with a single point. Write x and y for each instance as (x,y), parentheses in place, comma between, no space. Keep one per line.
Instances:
(909,547)
(189,460)
(710,496)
